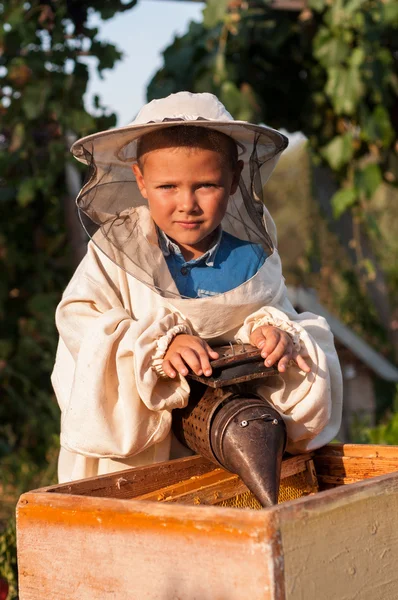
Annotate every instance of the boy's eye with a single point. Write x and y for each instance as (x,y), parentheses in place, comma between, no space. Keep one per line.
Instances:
(207,185)
(166,186)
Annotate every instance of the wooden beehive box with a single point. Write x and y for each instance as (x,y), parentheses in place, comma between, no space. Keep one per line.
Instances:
(159,532)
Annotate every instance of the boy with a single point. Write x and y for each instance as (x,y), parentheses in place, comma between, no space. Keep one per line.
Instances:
(184,256)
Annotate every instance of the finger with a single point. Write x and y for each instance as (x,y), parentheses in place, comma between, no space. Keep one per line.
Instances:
(302,363)
(179,365)
(273,339)
(284,362)
(168,369)
(204,361)
(257,338)
(191,358)
(209,350)
(284,346)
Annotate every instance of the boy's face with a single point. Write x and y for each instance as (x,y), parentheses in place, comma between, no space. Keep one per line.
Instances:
(187,191)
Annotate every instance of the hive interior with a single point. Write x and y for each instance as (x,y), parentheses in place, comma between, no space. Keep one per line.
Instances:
(218,487)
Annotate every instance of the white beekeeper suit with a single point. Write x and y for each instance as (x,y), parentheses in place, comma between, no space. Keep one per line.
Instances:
(122,309)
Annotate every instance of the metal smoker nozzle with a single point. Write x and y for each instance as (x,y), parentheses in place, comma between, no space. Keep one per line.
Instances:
(245,435)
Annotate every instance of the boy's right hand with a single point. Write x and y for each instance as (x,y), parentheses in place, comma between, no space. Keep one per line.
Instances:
(188,351)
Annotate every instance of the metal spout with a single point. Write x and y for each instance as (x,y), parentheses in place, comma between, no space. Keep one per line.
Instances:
(248,437)
(245,435)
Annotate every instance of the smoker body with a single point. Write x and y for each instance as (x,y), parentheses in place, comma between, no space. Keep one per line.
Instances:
(236,428)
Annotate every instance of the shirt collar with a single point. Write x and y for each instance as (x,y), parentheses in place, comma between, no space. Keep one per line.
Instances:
(168,247)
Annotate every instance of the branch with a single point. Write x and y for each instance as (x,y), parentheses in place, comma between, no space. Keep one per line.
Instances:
(122,7)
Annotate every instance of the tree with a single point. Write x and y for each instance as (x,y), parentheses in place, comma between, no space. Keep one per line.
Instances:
(45,46)
(329,71)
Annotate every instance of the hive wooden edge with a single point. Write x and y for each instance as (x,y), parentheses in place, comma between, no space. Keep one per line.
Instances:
(328,500)
(64,500)
(89,511)
(375,451)
(67,522)
(128,483)
(122,483)
(59,503)
(115,514)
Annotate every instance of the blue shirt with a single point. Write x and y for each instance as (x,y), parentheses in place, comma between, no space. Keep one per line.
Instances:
(226,265)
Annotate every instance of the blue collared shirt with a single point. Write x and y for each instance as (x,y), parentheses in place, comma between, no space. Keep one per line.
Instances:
(228,263)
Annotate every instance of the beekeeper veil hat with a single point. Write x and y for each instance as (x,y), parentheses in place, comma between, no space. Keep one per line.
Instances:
(117,217)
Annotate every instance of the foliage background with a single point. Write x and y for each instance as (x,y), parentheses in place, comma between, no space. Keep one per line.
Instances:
(329,70)
(43,52)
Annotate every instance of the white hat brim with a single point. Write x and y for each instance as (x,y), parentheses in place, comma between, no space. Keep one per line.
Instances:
(113,142)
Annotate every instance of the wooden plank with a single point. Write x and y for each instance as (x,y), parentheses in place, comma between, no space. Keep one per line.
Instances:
(295,464)
(312,478)
(333,481)
(186,487)
(213,493)
(135,481)
(355,467)
(96,548)
(342,464)
(342,544)
(358,450)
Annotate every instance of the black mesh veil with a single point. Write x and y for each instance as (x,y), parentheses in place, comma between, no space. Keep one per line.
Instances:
(117,218)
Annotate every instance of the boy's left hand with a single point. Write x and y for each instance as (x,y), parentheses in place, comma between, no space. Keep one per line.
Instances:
(277,347)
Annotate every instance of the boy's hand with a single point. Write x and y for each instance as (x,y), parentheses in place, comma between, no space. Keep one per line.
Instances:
(277,347)
(188,351)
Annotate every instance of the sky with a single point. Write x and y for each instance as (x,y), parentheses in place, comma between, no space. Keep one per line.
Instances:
(141,34)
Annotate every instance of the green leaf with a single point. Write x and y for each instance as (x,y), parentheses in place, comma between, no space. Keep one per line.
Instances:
(367,265)
(341,12)
(220,71)
(352,6)
(230,96)
(342,200)
(15,16)
(377,127)
(335,14)
(81,122)
(108,11)
(214,12)
(6,347)
(339,151)
(317,5)
(390,12)
(42,305)
(34,99)
(372,226)
(26,192)
(240,102)
(107,55)
(357,57)
(328,49)
(368,179)
(17,137)
(345,88)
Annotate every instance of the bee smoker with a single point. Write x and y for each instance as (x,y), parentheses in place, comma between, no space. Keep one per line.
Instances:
(233,427)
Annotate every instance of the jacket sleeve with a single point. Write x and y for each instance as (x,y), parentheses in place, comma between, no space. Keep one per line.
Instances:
(310,404)
(113,402)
